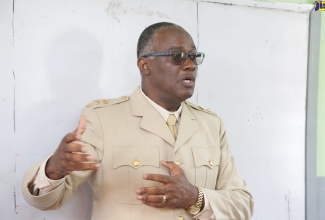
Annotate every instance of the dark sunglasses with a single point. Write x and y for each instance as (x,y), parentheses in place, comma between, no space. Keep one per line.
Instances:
(179,57)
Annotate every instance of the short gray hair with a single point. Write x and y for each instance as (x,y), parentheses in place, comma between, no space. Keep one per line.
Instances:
(147,37)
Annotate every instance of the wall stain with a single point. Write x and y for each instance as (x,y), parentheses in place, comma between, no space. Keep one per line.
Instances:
(13,21)
(15,202)
(288,204)
(14,101)
(116,9)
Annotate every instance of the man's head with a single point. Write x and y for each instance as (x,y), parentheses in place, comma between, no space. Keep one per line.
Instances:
(165,80)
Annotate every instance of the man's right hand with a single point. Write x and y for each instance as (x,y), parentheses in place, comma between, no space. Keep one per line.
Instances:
(70,156)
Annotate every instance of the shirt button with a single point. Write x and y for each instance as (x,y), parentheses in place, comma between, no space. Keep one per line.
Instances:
(180,218)
(211,163)
(177,163)
(136,163)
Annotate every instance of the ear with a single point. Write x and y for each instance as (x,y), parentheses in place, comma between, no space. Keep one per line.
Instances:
(143,66)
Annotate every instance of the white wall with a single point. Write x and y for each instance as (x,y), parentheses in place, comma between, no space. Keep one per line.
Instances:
(254,77)
(67,53)
(7,84)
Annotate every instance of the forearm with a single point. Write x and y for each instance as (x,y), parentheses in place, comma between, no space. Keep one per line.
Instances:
(34,193)
(56,197)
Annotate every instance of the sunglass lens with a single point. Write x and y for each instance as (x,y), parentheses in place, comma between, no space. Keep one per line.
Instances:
(193,58)
(199,58)
(178,57)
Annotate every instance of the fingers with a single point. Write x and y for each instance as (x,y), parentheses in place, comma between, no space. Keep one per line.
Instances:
(77,134)
(158,201)
(81,127)
(70,137)
(75,166)
(175,192)
(63,163)
(173,168)
(77,157)
(157,177)
(154,190)
(174,171)
(70,155)
(74,157)
(74,148)
(152,198)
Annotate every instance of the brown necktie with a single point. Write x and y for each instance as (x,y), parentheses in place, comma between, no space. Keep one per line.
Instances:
(171,122)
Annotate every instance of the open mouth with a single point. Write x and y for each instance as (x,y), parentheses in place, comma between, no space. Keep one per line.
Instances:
(188,81)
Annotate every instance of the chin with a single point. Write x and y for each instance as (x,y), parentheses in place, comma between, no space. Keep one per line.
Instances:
(186,95)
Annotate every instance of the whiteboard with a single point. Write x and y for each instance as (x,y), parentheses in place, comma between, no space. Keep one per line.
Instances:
(63,54)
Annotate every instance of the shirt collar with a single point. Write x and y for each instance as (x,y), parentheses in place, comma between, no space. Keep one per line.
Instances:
(163,112)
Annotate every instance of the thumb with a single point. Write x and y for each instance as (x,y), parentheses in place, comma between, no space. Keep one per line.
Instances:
(81,127)
(173,168)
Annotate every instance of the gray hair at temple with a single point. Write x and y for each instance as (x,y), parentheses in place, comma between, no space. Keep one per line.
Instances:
(147,37)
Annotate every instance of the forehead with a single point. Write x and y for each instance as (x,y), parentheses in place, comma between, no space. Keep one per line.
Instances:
(173,38)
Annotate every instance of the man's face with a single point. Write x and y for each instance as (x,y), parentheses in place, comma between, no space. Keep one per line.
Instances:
(170,84)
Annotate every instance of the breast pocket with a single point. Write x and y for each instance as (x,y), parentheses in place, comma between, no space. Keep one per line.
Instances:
(206,162)
(129,164)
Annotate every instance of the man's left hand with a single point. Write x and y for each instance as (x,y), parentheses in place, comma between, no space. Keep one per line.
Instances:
(176,191)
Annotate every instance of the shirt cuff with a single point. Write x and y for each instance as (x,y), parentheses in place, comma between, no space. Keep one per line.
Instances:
(42,184)
(206,213)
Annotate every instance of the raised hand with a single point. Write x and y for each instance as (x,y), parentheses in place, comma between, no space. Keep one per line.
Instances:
(176,191)
(70,156)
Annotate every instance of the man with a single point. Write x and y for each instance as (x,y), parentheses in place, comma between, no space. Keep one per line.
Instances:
(151,155)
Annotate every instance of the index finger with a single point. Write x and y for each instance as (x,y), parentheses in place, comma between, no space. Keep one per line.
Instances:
(71,137)
(75,147)
(157,177)
(173,168)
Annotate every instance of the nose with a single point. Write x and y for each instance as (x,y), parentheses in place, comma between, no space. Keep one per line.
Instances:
(189,65)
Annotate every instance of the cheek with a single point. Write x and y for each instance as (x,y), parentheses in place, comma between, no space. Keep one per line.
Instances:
(172,72)
(167,72)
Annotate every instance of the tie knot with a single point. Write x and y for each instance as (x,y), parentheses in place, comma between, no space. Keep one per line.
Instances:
(171,120)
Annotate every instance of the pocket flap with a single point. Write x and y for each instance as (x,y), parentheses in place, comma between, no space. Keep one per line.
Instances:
(135,156)
(206,156)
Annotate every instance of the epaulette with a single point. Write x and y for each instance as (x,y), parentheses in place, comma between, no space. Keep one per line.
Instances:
(98,103)
(201,109)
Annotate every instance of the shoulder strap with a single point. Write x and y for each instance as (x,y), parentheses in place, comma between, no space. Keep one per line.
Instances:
(197,107)
(99,103)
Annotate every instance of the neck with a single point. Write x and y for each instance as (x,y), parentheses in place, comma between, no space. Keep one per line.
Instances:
(166,104)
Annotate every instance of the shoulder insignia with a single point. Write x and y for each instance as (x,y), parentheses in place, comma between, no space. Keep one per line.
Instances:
(197,107)
(98,103)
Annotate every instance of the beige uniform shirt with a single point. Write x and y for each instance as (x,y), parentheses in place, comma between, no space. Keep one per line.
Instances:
(129,138)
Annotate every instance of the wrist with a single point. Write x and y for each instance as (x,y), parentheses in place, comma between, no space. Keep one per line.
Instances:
(51,172)
(198,206)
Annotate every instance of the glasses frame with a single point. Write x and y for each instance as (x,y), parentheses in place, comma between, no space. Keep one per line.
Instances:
(192,56)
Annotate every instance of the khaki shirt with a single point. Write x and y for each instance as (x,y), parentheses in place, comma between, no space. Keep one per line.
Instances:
(129,138)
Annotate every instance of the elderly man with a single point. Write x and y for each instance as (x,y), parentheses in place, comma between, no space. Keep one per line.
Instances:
(151,155)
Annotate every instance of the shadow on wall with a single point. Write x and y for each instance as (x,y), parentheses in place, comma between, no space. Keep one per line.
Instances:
(73,64)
